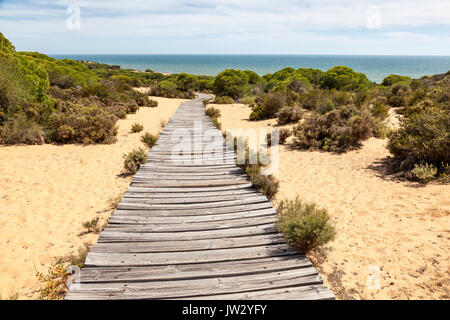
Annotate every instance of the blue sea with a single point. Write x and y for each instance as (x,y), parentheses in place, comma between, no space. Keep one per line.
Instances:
(375,67)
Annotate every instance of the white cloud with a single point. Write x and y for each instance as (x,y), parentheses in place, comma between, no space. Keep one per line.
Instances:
(252,23)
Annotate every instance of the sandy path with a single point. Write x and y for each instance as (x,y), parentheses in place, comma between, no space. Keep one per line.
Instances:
(48,191)
(399,228)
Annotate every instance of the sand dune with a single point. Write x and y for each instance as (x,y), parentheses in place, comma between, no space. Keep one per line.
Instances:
(48,191)
(397,227)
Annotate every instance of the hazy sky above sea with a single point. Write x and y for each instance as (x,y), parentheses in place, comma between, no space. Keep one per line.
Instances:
(397,27)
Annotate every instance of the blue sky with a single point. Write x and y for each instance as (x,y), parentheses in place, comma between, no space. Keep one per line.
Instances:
(413,27)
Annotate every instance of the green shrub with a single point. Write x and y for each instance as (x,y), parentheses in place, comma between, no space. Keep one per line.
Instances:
(152,103)
(337,131)
(216,123)
(284,134)
(253,77)
(149,140)
(423,137)
(20,129)
(344,78)
(83,124)
(99,90)
(312,98)
(5,45)
(224,100)
(380,129)
(134,160)
(136,127)
(186,82)
(267,185)
(268,106)
(167,89)
(212,112)
(424,173)
(379,109)
(304,225)
(312,75)
(288,115)
(326,106)
(248,100)
(394,78)
(231,83)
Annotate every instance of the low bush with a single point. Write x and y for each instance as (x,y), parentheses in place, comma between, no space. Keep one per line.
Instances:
(230,83)
(288,115)
(248,100)
(212,112)
(344,78)
(216,123)
(134,159)
(423,137)
(223,100)
(267,185)
(394,78)
(267,106)
(152,103)
(304,225)
(20,129)
(82,124)
(149,140)
(423,173)
(136,127)
(337,131)
(285,133)
(92,226)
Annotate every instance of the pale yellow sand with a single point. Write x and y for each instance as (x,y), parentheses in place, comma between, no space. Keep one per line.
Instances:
(48,191)
(401,228)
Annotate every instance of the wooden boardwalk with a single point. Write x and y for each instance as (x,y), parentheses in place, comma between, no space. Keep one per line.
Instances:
(194,231)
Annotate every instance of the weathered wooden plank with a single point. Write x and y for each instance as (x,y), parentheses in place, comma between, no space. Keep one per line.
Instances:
(177,195)
(115,236)
(129,218)
(199,183)
(197,202)
(193,271)
(191,189)
(310,292)
(175,246)
(128,204)
(197,287)
(194,226)
(173,211)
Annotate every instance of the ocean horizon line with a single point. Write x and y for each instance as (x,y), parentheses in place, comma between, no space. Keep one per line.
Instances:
(249,54)
(375,67)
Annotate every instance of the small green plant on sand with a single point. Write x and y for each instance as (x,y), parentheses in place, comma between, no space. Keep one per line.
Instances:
(134,159)
(217,123)
(304,225)
(55,280)
(149,139)
(162,123)
(212,112)
(424,173)
(92,225)
(137,127)
(266,184)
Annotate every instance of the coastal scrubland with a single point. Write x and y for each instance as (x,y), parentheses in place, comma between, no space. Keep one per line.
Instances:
(365,164)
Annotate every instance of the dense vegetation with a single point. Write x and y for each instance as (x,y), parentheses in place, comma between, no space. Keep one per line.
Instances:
(48,100)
